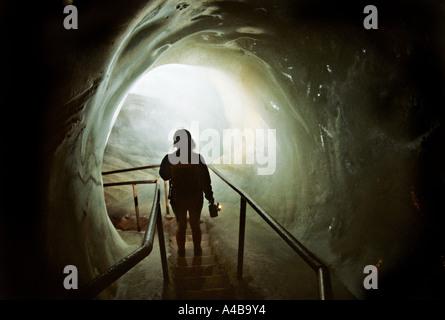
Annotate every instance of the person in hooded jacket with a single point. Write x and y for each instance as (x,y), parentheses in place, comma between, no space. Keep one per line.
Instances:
(189,180)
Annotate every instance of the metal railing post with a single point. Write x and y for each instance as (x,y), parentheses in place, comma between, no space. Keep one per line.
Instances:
(106,278)
(161,239)
(136,206)
(324,281)
(242,231)
(324,284)
(167,207)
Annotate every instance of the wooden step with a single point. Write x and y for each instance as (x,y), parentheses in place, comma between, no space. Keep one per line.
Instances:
(201,277)
(197,271)
(188,245)
(206,251)
(195,261)
(202,283)
(207,294)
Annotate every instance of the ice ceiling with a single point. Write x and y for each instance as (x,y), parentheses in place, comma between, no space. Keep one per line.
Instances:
(353,111)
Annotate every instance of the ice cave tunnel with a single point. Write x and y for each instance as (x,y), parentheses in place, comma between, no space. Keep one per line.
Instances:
(353,169)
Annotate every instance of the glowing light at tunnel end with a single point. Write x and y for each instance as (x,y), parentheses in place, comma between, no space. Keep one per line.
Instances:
(200,99)
(256,151)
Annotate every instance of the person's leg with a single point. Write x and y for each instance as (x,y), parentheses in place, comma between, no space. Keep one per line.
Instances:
(180,212)
(195,218)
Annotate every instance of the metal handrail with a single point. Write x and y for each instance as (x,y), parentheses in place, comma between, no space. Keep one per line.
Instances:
(135,194)
(167,208)
(324,281)
(123,183)
(321,270)
(98,284)
(130,169)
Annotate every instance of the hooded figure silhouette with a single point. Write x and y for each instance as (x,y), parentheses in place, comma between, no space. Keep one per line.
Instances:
(189,178)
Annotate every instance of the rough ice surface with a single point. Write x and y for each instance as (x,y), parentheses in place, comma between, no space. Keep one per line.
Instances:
(346,151)
(144,281)
(345,111)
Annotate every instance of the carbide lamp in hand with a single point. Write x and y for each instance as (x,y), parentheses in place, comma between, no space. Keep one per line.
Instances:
(214,209)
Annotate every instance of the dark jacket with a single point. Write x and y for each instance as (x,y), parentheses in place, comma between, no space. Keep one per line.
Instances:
(187,181)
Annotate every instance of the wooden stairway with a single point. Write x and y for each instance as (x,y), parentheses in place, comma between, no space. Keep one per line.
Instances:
(197,278)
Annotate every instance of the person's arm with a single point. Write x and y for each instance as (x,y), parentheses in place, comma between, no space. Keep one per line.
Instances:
(165,169)
(205,180)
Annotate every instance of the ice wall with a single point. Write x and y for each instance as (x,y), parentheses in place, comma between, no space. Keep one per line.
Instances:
(346,105)
(345,110)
